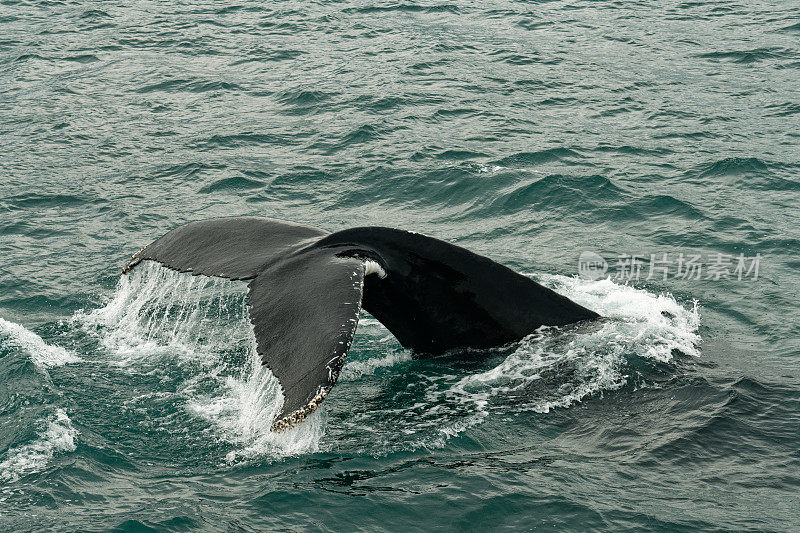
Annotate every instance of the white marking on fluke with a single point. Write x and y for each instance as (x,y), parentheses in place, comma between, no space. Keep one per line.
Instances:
(372,267)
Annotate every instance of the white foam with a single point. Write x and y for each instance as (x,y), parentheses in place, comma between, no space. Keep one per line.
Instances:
(58,436)
(354,370)
(654,325)
(482,169)
(244,409)
(41,353)
(573,363)
(158,317)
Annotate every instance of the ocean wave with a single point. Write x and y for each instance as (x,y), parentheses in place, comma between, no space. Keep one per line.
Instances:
(552,192)
(57,436)
(663,205)
(190,85)
(549,155)
(41,353)
(734,166)
(749,56)
(235,184)
(403,8)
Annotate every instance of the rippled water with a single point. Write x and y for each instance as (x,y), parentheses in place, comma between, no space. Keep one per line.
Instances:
(526,131)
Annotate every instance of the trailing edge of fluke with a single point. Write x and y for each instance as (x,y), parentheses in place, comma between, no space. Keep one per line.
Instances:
(307,286)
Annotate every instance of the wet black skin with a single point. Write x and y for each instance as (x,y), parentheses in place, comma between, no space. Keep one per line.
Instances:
(437,296)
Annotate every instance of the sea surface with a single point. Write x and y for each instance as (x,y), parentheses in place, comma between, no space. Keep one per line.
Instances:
(526,131)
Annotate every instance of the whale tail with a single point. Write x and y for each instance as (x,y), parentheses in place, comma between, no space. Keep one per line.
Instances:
(307,287)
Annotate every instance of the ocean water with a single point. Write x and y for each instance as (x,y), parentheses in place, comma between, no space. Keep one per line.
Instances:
(529,132)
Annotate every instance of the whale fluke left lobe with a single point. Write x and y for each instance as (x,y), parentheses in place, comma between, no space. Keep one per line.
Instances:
(228,247)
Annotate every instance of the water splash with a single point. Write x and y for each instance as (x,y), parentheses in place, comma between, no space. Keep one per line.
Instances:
(654,325)
(156,311)
(198,327)
(557,367)
(550,369)
(357,369)
(42,354)
(245,410)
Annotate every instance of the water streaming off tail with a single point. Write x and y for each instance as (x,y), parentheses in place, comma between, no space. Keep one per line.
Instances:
(156,310)
(196,330)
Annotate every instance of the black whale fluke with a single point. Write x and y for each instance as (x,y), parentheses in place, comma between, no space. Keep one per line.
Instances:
(307,287)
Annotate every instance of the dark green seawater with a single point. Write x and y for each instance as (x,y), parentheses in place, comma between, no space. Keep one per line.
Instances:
(527,131)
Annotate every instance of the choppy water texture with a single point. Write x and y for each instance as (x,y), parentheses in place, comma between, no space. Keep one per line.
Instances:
(526,131)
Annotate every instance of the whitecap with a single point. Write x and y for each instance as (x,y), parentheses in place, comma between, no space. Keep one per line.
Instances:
(58,436)
(42,354)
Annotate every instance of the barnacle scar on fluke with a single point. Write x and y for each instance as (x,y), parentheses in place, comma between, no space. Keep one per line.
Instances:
(133,262)
(306,288)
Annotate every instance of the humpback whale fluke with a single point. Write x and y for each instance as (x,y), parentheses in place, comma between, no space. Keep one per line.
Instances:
(307,286)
